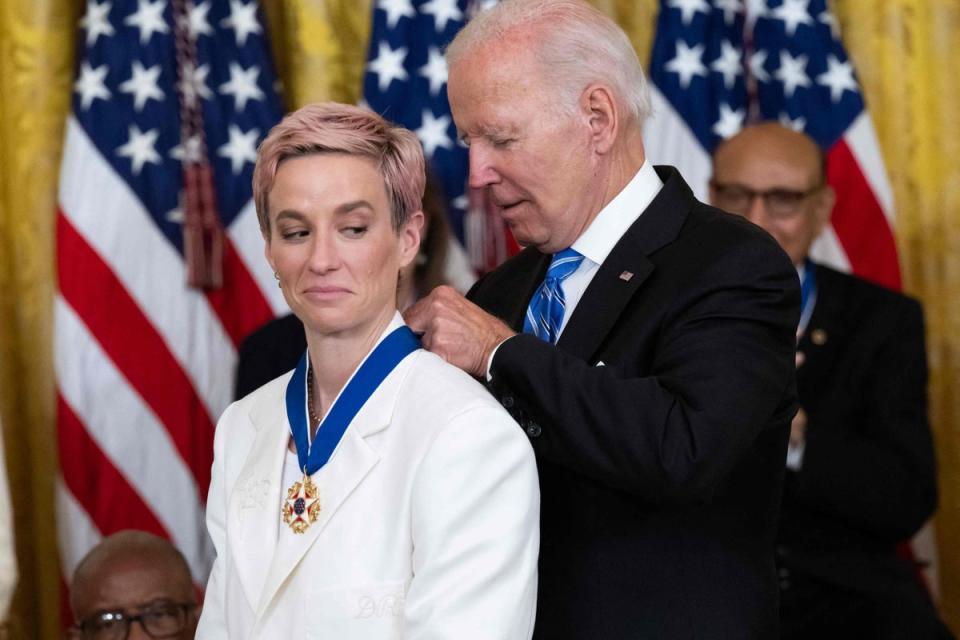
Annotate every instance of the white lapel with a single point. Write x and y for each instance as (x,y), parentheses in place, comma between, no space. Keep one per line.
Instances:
(350,463)
(254,506)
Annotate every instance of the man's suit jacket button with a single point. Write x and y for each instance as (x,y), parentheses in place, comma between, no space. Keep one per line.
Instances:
(534,430)
(507,402)
(784,574)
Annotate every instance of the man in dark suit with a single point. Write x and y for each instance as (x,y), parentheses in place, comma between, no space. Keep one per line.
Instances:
(660,416)
(268,352)
(860,465)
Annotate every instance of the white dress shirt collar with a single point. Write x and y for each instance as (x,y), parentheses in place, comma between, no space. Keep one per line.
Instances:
(612,222)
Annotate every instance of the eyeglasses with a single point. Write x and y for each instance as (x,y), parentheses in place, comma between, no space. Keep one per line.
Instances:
(782,203)
(164,620)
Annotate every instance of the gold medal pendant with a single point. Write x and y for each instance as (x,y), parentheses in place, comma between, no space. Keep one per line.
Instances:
(302,505)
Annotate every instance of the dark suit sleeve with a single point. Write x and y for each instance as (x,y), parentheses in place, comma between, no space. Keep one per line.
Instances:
(271,351)
(671,413)
(877,471)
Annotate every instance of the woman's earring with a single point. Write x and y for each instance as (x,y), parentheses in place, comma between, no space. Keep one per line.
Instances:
(277,277)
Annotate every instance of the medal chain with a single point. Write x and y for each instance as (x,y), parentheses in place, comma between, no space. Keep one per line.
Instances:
(314,418)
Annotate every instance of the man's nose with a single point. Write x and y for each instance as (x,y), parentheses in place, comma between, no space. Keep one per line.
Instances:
(757,210)
(482,172)
(138,632)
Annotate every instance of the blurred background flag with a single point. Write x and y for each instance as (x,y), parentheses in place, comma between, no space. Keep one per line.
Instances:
(718,65)
(160,261)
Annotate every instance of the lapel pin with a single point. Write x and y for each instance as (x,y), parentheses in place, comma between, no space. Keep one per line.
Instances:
(818,337)
(626,275)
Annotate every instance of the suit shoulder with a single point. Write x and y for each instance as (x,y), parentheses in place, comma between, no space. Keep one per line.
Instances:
(265,398)
(444,385)
(728,247)
(285,330)
(856,292)
(268,352)
(446,397)
(709,223)
(270,392)
(863,287)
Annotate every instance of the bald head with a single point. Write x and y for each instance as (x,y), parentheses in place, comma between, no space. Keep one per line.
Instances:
(773,141)
(128,571)
(775,177)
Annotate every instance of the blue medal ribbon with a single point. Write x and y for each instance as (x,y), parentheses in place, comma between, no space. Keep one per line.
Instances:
(808,294)
(382,360)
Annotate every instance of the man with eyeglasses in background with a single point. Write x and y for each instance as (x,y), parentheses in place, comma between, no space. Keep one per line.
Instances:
(860,463)
(133,585)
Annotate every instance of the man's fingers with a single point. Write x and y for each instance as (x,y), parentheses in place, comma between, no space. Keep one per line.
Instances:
(457,330)
(416,316)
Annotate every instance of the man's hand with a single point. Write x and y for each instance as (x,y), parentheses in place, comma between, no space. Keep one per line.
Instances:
(798,427)
(457,330)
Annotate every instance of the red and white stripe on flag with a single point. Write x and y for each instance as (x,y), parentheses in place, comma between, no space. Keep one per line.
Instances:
(144,362)
(716,66)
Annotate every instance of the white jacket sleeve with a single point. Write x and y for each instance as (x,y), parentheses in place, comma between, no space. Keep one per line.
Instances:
(213,623)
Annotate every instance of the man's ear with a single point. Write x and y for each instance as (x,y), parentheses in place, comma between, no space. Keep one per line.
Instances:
(602,115)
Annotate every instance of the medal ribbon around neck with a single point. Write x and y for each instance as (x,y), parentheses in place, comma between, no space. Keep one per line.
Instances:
(382,360)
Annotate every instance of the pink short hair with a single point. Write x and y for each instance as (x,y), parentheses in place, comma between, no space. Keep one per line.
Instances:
(331,127)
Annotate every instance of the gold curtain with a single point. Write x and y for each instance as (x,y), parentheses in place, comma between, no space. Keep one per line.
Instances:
(906,56)
(36,59)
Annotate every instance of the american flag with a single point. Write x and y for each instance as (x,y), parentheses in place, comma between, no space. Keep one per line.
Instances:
(144,362)
(717,65)
(406,82)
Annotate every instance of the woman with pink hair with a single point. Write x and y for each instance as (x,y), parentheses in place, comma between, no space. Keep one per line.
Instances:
(374,491)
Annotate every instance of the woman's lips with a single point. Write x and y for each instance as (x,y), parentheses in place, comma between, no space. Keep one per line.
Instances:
(325,292)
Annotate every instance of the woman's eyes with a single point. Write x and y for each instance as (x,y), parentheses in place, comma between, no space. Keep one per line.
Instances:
(354,231)
(294,234)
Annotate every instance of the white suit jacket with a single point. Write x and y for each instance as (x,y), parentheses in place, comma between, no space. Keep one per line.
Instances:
(429,522)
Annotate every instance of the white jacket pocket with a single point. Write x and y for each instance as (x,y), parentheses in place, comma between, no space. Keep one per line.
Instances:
(371,611)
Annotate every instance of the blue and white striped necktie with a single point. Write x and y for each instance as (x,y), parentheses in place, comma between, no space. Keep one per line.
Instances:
(545,313)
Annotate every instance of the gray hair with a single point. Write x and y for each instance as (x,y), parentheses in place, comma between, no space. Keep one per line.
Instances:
(577,44)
